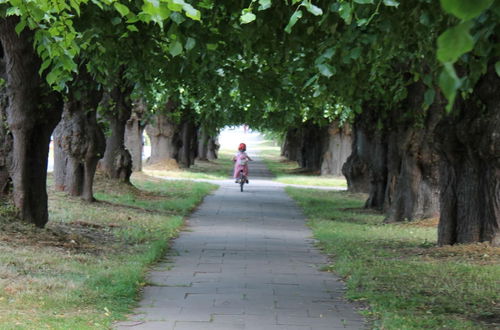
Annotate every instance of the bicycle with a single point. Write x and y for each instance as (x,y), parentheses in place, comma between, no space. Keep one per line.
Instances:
(242,180)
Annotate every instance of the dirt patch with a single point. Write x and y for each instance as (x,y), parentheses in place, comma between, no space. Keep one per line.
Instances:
(478,253)
(164,165)
(430,222)
(362,210)
(76,236)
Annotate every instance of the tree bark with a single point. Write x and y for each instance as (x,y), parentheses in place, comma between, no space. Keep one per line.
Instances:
(355,168)
(213,148)
(5,139)
(469,145)
(338,148)
(412,175)
(188,143)
(133,135)
(162,134)
(79,142)
(203,143)
(376,158)
(117,161)
(32,114)
(292,144)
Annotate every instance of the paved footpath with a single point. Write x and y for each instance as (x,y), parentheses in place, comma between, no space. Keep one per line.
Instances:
(246,262)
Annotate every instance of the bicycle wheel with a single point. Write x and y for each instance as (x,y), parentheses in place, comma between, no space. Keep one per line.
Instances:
(242,181)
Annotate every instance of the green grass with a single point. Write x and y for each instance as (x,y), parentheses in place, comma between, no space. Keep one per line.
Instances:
(289,172)
(219,169)
(85,269)
(407,282)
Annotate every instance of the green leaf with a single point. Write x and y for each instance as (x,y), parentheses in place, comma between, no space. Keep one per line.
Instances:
(364,2)
(355,53)
(191,12)
(429,96)
(116,20)
(293,20)
(190,43)
(175,48)
(20,26)
(44,66)
(177,18)
(310,81)
(175,5)
(247,17)
(212,46)
(454,42)
(449,83)
(264,4)
(345,11)
(121,8)
(326,70)
(132,28)
(75,5)
(466,9)
(391,3)
(52,77)
(497,68)
(315,10)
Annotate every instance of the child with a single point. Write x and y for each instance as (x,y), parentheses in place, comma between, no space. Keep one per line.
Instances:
(241,162)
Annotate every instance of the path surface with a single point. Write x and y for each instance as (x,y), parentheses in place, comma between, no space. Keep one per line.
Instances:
(246,262)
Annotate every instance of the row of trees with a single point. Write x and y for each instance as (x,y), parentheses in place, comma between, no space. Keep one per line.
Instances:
(415,85)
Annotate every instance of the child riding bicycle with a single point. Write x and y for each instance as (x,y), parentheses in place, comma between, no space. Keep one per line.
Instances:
(241,160)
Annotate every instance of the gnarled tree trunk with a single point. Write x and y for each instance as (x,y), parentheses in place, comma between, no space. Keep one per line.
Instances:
(162,134)
(469,145)
(413,179)
(117,161)
(355,168)
(213,148)
(133,135)
(79,142)
(32,114)
(338,148)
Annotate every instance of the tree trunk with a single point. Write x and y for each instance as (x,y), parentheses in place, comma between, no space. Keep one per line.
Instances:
(292,145)
(412,180)
(5,140)
(376,158)
(355,169)
(117,161)
(469,145)
(162,134)
(187,152)
(133,135)
(32,115)
(312,146)
(338,148)
(79,142)
(203,141)
(213,148)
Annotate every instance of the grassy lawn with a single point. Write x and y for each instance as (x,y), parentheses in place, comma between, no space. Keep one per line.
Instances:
(85,269)
(219,169)
(288,171)
(397,269)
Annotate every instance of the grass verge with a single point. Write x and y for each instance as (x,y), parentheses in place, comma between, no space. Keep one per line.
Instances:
(84,270)
(397,269)
(288,171)
(218,169)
